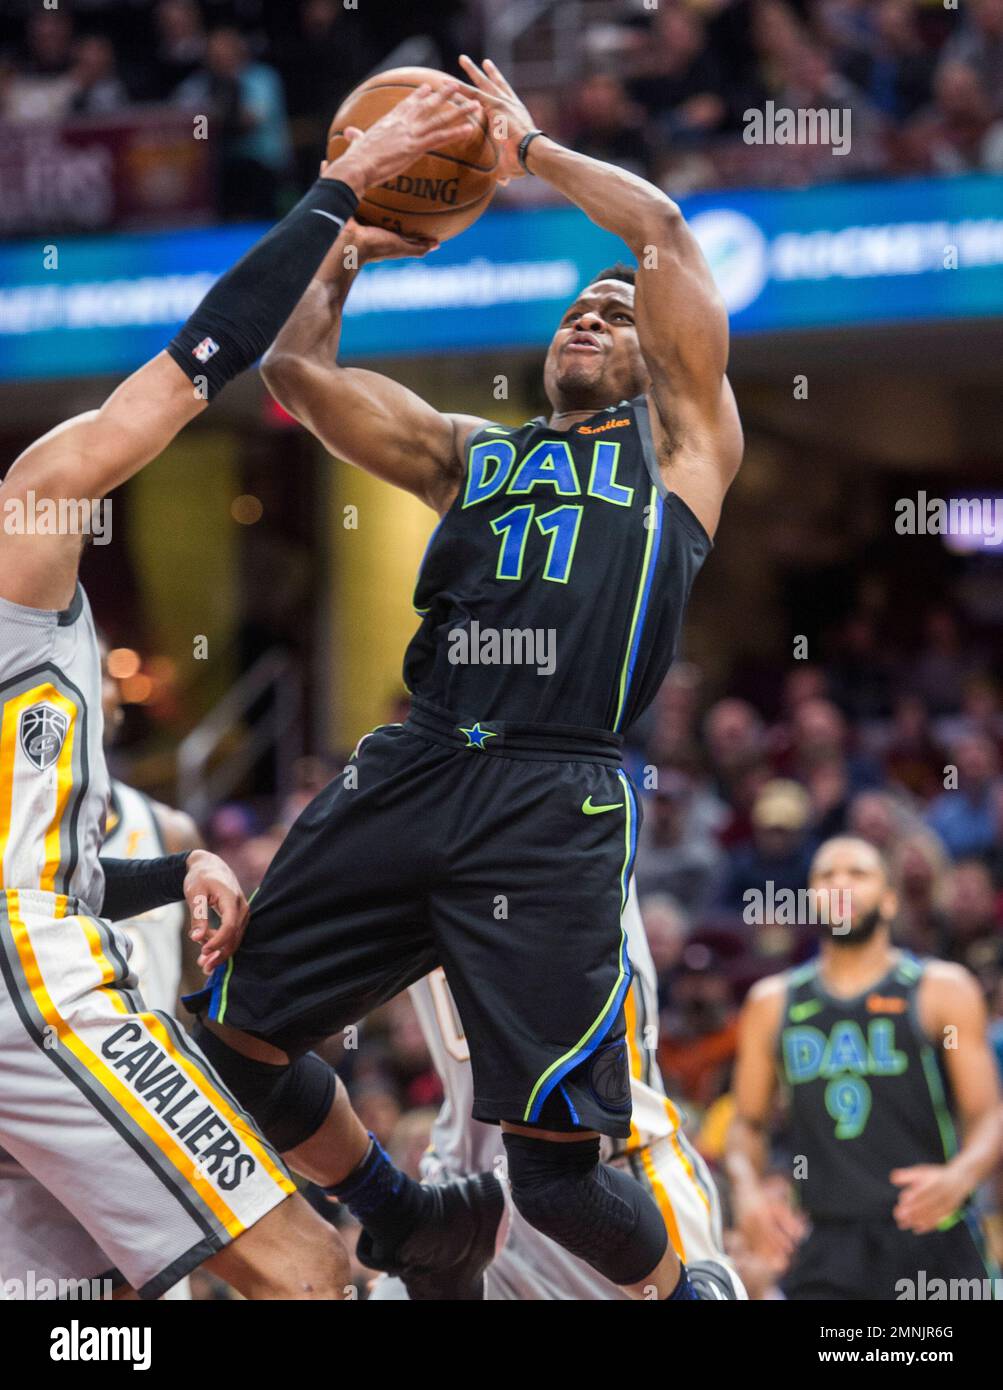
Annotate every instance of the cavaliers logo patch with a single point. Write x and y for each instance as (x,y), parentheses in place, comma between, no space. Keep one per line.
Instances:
(43,733)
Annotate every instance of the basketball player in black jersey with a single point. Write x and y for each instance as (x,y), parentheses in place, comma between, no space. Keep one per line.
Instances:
(494,832)
(881,1055)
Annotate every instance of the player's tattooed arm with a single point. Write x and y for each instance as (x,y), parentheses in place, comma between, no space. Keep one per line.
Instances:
(953,1014)
(765,1218)
(682,323)
(361,416)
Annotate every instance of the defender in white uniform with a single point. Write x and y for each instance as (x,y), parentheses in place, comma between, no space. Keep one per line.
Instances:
(37,1233)
(103,1102)
(134,832)
(529,1265)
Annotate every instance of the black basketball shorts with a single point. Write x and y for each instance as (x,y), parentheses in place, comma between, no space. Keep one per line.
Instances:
(502,853)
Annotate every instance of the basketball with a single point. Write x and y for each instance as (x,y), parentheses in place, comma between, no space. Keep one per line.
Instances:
(444,191)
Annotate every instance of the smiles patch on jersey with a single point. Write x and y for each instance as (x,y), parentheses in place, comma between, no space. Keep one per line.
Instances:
(43,733)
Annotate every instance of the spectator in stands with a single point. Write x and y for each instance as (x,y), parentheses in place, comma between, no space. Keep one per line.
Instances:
(96,88)
(878,817)
(804,682)
(48,44)
(676,77)
(321,60)
(861,671)
(781,849)
(994,855)
(39,87)
(980,712)
(667,928)
(821,734)
(892,64)
(809,80)
(919,869)
(698,1029)
(609,126)
(960,132)
(965,817)
(246,102)
(180,46)
(669,732)
(913,759)
(735,740)
(675,856)
(979,46)
(939,671)
(975,938)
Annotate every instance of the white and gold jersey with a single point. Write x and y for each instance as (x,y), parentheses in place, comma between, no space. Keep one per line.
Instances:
(53,777)
(156,936)
(104,1103)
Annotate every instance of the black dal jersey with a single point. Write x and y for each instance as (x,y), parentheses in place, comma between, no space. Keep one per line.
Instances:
(867,1091)
(553,590)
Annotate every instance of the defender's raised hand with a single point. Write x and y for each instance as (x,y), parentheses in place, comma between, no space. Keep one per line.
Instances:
(429,117)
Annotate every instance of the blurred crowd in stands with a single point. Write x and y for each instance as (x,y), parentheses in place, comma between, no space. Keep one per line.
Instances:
(661,89)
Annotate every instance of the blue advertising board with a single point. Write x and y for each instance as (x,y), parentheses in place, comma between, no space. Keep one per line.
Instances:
(846,254)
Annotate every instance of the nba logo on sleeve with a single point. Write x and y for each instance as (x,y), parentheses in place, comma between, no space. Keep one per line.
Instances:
(43,733)
(207,348)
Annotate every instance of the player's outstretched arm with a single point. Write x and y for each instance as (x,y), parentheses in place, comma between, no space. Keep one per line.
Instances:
(77,463)
(85,458)
(953,1014)
(682,323)
(360,416)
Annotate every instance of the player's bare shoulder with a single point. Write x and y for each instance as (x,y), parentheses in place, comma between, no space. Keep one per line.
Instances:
(949,994)
(763,1009)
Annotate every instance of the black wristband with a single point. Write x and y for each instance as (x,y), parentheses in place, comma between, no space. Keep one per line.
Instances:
(242,314)
(132,886)
(524,145)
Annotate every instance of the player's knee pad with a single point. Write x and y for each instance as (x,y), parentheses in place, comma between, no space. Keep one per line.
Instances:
(596,1212)
(289,1102)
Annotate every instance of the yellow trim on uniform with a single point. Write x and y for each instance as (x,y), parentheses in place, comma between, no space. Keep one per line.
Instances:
(661,1196)
(197,1077)
(634,1140)
(113,1084)
(64,786)
(685,1160)
(12,711)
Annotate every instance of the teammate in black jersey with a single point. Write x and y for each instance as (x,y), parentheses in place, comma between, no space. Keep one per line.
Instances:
(881,1056)
(493,834)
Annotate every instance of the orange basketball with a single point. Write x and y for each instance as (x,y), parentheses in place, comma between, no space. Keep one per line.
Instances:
(441,193)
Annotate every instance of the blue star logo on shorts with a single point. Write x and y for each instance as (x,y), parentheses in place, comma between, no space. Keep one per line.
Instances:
(476,735)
